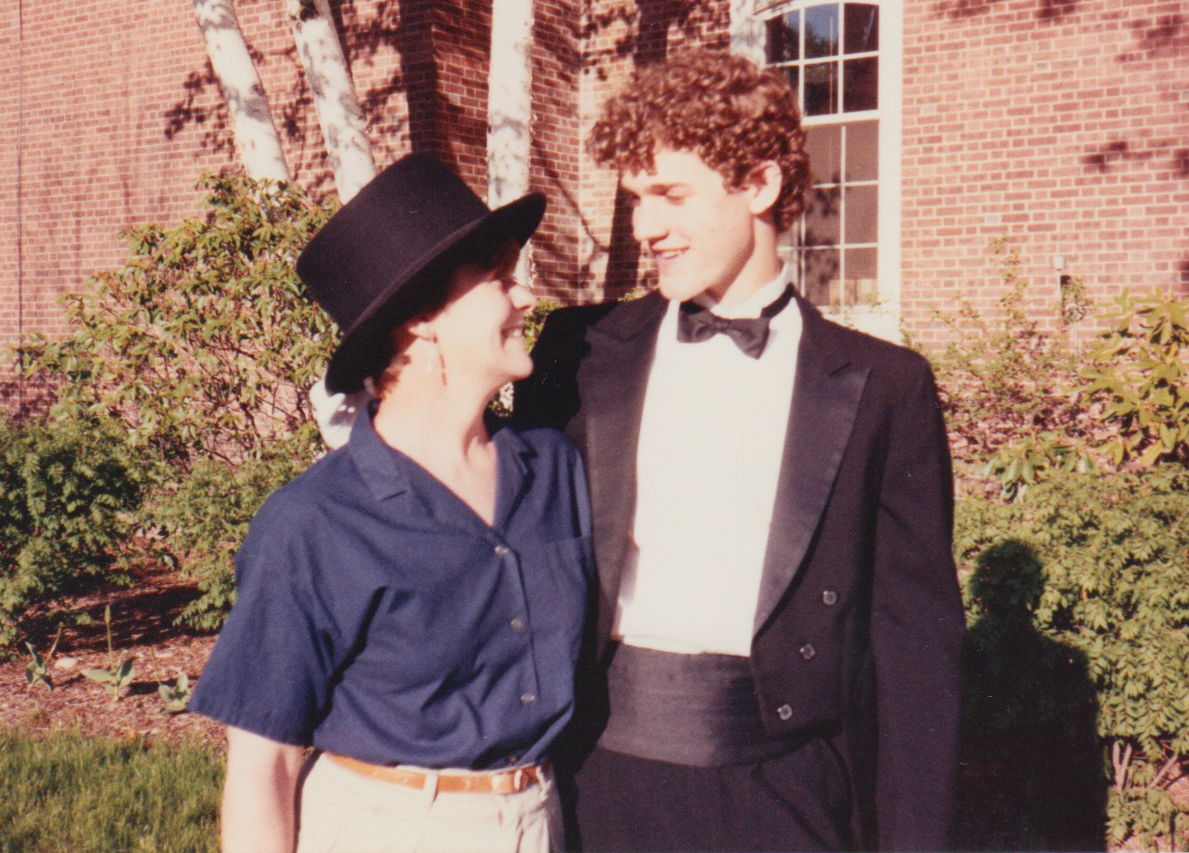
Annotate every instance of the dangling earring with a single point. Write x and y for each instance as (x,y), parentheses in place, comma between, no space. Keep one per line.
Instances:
(433,342)
(436,357)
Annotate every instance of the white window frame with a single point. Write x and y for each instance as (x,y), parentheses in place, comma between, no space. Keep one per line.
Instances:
(748,38)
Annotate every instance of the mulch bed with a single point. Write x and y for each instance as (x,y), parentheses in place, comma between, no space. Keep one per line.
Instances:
(143,625)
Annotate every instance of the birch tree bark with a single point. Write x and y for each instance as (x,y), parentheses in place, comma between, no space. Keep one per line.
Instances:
(509,106)
(252,126)
(747,32)
(344,127)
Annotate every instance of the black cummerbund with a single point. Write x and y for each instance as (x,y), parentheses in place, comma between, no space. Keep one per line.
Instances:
(697,710)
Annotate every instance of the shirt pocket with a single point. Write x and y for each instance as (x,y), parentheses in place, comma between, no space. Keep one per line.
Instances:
(558,591)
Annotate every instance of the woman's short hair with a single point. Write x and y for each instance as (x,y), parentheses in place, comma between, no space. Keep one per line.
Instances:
(487,256)
(731,113)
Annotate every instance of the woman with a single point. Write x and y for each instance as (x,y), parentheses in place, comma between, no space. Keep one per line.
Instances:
(411,606)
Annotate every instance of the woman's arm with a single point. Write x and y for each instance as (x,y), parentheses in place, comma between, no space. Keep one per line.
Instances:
(260,794)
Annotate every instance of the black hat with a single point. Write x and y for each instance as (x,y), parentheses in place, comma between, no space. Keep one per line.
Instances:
(401,236)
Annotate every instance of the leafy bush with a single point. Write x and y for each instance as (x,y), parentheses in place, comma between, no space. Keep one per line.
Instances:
(1007,382)
(68,492)
(1139,371)
(202,344)
(1080,594)
(207,517)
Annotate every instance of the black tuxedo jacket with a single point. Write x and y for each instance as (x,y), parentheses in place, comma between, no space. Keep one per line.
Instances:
(859,621)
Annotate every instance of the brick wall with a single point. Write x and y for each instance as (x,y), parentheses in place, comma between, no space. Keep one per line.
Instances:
(1063,126)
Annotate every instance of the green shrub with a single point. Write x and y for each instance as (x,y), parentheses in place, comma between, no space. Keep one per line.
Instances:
(68,492)
(207,517)
(1080,594)
(1139,373)
(202,347)
(1005,380)
(202,344)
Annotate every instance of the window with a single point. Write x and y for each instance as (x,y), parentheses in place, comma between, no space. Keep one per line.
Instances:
(832,55)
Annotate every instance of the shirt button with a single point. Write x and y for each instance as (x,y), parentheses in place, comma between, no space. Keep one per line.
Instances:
(807,651)
(527,698)
(502,550)
(829,597)
(517,624)
(784,712)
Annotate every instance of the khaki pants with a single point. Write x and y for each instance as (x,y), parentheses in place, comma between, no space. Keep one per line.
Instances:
(345,812)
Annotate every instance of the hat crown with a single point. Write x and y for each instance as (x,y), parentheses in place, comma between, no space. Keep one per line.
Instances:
(395,224)
(372,261)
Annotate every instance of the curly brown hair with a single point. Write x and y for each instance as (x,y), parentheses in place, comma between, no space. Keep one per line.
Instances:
(723,108)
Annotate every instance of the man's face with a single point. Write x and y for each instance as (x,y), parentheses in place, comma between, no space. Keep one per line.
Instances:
(701,234)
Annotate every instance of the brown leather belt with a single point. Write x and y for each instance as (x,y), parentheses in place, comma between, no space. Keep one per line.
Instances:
(510,781)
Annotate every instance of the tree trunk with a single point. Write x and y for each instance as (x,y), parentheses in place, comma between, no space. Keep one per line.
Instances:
(344,127)
(747,32)
(251,120)
(509,105)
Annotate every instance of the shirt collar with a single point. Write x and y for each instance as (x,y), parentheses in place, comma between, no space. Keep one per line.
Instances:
(381,469)
(379,466)
(754,304)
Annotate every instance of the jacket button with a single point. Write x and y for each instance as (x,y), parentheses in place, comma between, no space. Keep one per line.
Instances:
(829,597)
(807,651)
(784,712)
(502,550)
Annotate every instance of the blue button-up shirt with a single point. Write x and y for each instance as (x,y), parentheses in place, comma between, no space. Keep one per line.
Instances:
(379,617)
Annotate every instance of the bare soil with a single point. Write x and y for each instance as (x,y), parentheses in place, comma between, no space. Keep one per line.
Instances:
(143,626)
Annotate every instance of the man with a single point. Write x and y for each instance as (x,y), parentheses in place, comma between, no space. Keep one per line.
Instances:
(774,663)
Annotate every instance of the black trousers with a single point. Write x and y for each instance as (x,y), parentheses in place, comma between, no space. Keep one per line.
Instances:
(798,801)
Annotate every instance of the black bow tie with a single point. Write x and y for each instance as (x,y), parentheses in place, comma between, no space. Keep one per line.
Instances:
(750,334)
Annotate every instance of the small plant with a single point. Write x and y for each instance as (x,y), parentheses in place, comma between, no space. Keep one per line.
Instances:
(1139,373)
(117,676)
(1025,461)
(175,696)
(37,671)
(1005,380)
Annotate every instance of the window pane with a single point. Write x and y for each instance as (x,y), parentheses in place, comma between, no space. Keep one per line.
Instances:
(823,143)
(823,216)
(860,277)
(862,151)
(783,38)
(821,276)
(862,205)
(793,73)
(821,31)
(821,88)
(862,28)
(861,78)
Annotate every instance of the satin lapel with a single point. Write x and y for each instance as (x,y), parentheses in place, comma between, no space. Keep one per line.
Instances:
(826,396)
(613,379)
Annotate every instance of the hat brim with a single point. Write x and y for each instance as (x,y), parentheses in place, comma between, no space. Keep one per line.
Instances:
(363,351)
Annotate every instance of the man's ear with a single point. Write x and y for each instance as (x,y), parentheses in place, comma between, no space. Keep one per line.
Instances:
(765,181)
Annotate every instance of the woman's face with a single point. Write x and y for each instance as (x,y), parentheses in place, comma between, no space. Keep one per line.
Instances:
(480,330)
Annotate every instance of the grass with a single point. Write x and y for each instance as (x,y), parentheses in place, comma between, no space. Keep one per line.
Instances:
(68,794)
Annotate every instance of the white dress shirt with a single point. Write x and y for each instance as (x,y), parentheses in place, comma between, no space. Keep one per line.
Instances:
(711,442)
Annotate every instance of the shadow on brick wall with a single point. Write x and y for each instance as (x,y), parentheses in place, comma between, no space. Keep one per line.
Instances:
(1046,10)
(22,400)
